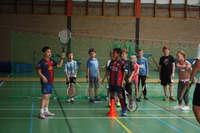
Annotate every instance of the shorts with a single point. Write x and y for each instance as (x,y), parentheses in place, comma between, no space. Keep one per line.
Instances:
(72,80)
(114,88)
(165,80)
(94,83)
(47,88)
(135,81)
(196,95)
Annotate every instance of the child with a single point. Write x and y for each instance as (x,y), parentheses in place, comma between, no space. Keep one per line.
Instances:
(71,69)
(143,71)
(135,75)
(108,78)
(184,69)
(46,72)
(129,69)
(93,75)
(117,74)
(166,72)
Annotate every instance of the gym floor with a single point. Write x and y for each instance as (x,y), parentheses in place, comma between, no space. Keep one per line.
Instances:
(18,114)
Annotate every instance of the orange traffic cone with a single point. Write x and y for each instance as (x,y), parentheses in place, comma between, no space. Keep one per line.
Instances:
(112,111)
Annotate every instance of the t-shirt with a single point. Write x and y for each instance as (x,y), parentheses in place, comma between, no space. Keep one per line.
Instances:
(71,67)
(198,57)
(116,72)
(136,72)
(166,64)
(128,66)
(93,64)
(47,69)
(143,66)
(183,73)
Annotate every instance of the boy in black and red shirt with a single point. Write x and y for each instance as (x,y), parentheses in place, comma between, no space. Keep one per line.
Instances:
(46,73)
(117,74)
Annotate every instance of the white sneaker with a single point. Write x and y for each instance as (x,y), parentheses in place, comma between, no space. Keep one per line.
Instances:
(72,99)
(48,113)
(178,107)
(69,100)
(185,108)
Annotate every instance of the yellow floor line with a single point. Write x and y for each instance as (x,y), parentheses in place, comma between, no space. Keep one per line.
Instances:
(122,125)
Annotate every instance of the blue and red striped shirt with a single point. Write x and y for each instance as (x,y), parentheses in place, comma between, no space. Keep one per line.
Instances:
(116,72)
(47,69)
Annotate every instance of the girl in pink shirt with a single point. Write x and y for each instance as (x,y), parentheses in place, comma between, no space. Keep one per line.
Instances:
(135,76)
(184,70)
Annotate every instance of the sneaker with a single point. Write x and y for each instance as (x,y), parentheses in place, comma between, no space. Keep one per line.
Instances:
(72,99)
(69,100)
(41,116)
(177,107)
(165,98)
(138,99)
(146,97)
(118,104)
(48,113)
(91,100)
(97,100)
(185,108)
(172,98)
(123,113)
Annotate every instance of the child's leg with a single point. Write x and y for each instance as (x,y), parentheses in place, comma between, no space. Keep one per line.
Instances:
(71,90)
(121,101)
(186,98)
(143,78)
(44,102)
(136,89)
(178,93)
(96,91)
(171,85)
(165,89)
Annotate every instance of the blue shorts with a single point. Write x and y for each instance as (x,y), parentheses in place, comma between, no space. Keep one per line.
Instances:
(114,88)
(47,88)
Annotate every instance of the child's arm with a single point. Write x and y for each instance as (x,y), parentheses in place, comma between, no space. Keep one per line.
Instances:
(159,69)
(61,60)
(44,79)
(98,75)
(147,69)
(105,76)
(88,75)
(173,70)
(67,76)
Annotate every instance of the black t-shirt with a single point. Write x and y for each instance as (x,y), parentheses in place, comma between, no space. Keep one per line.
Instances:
(166,64)
(129,68)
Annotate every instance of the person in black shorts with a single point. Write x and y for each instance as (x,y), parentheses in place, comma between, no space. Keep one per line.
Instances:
(166,73)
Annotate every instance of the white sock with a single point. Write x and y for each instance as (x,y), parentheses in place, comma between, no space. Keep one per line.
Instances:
(41,110)
(46,109)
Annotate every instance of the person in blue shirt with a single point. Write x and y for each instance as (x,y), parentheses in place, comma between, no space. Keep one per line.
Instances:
(71,69)
(93,75)
(143,71)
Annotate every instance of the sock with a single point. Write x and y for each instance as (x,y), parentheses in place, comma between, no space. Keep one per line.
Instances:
(46,109)
(122,104)
(41,110)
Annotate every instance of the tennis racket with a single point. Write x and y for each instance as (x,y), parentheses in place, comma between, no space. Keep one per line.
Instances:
(158,88)
(64,37)
(130,101)
(71,92)
(1,82)
(184,89)
(87,91)
(140,93)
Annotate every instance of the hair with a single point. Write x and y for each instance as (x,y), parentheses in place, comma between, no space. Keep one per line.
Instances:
(118,50)
(125,51)
(133,57)
(91,50)
(69,53)
(181,52)
(166,47)
(45,48)
(139,50)
(111,52)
